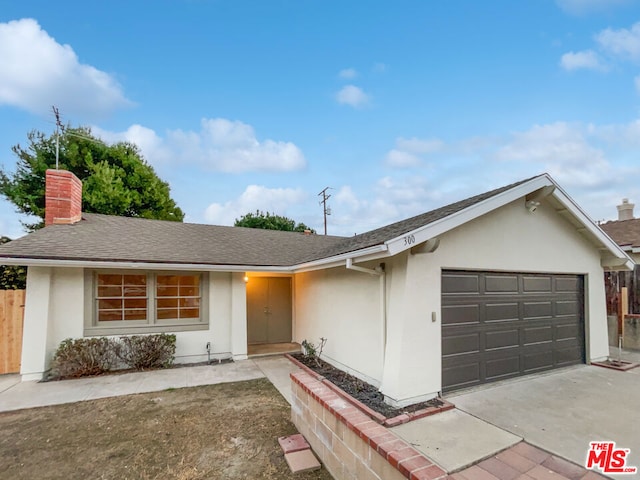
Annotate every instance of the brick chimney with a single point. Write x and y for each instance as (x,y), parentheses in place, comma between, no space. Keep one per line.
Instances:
(625,210)
(63,198)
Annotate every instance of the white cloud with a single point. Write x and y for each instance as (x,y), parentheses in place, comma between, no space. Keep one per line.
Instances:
(220,145)
(353,96)
(562,150)
(587,59)
(348,73)
(624,42)
(579,7)
(400,159)
(255,197)
(38,72)
(636,82)
(408,152)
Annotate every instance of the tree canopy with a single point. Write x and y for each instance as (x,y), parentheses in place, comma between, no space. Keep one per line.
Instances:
(12,277)
(117,180)
(269,221)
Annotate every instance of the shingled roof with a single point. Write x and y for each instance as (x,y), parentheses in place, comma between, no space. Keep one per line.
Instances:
(625,233)
(125,239)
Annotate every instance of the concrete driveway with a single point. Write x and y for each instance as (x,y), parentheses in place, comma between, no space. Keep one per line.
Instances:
(562,412)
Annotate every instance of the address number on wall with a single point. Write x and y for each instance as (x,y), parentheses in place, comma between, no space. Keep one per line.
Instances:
(409,240)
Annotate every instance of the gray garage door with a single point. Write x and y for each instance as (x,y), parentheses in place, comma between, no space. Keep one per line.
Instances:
(502,325)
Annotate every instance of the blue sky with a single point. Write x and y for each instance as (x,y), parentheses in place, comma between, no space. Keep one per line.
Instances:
(400,107)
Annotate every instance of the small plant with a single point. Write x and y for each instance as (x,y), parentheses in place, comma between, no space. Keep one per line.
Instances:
(84,356)
(144,352)
(310,350)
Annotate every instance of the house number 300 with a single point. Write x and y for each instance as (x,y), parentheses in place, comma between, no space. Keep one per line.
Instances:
(409,240)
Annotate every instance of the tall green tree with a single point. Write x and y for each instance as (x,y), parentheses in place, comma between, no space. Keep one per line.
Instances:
(117,180)
(269,221)
(12,277)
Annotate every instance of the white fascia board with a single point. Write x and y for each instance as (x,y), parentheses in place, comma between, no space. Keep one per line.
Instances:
(369,253)
(592,227)
(424,233)
(201,267)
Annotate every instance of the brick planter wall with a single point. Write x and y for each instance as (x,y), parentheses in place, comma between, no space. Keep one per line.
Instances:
(349,443)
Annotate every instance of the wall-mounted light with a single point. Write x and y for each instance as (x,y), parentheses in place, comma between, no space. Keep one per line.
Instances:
(532,205)
(246,279)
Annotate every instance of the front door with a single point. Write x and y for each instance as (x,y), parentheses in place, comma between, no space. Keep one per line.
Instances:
(268,310)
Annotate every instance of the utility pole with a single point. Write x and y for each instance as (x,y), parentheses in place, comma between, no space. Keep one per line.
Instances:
(325,209)
(56,112)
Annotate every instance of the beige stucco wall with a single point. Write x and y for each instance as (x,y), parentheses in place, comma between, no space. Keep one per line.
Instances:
(509,239)
(344,307)
(54,310)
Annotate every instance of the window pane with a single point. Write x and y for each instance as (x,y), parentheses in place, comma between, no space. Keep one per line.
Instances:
(122,297)
(135,303)
(109,315)
(167,303)
(135,291)
(166,280)
(109,291)
(167,313)
(189,291)
(135,314)
(135,280)
(109,279)
(189,280)
(189,302)
(167,291)
(189,313)
(110,304)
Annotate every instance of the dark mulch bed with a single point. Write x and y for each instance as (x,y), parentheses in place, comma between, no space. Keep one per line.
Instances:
(362,391)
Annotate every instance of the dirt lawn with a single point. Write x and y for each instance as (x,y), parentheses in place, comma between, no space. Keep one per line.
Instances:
(226,431)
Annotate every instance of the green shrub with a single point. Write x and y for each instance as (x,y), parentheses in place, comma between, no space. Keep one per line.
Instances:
(84,356)
(144,352)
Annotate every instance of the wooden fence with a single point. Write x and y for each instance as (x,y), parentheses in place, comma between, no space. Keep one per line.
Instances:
(11,318)
(614,283)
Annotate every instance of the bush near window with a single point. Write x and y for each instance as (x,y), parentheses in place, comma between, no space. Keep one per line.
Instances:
(144,352)
(82,357)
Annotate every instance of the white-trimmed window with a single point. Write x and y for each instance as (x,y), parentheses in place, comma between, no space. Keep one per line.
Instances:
(120,302)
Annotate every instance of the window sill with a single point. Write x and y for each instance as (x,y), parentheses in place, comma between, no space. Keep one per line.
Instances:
(143,329)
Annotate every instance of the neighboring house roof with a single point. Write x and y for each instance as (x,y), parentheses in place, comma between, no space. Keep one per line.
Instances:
(109,240)
(625,233)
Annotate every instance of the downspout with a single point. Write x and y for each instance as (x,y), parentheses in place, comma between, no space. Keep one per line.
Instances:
(380,272)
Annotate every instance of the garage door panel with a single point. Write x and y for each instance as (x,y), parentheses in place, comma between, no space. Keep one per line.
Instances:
(538,361)
(455,283)
(501,325)
(570,355)
(533,335)
(462,375)
(501,311)
(567,307)
(570,284)
(536,284)
(502,367)
(534,310)
(502,339)
(456,344)
(501,284)
(459,314)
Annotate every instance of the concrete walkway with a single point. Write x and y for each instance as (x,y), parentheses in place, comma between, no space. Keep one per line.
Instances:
(15,395)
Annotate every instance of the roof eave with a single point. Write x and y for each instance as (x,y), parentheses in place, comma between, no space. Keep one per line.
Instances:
(443,225)
(129,265)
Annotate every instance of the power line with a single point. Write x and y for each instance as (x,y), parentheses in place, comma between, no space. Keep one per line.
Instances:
(326,210)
